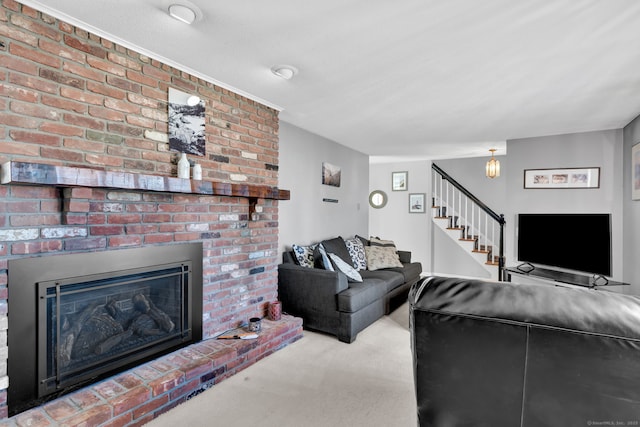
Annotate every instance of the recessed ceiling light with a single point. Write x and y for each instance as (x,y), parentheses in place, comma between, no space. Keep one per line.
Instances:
(182,13)
(285,71)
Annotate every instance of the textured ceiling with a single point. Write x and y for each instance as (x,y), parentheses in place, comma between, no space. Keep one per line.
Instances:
(403,79)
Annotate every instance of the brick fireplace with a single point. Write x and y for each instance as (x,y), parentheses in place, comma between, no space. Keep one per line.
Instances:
(87,169)
(96,314)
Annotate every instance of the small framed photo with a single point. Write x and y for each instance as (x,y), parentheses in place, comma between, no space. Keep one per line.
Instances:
(399,181)
(331,174)
(416,203)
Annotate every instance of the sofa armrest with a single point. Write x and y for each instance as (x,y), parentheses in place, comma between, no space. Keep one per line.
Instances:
(405,256)
(304,290)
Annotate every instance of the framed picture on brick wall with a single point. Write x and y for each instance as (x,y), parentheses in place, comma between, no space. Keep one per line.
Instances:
(186,123)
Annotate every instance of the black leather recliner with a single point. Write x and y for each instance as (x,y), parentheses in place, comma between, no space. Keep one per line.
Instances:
(502,354)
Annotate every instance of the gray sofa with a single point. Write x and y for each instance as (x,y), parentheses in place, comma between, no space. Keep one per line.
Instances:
(328,301)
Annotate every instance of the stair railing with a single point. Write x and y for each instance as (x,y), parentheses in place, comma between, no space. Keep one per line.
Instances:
(476,221)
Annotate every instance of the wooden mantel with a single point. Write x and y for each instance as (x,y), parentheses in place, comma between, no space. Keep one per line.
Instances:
(14,172)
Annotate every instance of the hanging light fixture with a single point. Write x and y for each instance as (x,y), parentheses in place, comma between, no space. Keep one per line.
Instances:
(493,166)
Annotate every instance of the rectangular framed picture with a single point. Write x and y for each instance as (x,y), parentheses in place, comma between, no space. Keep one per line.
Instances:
(416,203)
(186,123)
(331,174)
(562,178)
(399,181)
(635,172)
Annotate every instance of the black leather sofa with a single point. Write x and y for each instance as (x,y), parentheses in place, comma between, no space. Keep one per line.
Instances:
(502,354)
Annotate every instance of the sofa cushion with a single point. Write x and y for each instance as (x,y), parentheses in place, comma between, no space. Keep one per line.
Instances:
(338,247)
(356,250)
(410,271)
(382,257)
(304,255)
(391,278)
(360,295)
(339,265)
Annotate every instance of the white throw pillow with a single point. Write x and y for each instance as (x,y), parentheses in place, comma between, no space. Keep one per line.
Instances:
(303,255)
(349,271)
(382,257)
(324,260)
(356,250)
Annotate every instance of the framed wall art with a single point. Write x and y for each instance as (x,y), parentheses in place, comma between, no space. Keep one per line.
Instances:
(635,172)
(562,178)
(399,181)
(186,123)
(331,174)
(416,203)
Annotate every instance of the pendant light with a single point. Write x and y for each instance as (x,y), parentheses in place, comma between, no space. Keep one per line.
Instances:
(493,166)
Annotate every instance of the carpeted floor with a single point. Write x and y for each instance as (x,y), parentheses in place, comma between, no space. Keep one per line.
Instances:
(317,381)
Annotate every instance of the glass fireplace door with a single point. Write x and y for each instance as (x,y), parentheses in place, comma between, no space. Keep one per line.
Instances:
(95,324)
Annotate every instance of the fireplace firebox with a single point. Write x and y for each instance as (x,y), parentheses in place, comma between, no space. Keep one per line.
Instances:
(77,318)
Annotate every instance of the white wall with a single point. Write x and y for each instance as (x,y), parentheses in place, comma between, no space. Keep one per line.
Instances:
(601,149)
(631,221)
(448,257)
(507,195)
(410,231)
(470,173)
(306,218)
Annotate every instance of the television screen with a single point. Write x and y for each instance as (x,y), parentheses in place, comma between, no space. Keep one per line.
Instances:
(580,242)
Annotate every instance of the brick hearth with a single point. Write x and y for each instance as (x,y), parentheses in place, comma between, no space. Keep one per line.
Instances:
(135,397)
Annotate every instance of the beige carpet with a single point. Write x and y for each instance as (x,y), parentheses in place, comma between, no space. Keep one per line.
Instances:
(317,381)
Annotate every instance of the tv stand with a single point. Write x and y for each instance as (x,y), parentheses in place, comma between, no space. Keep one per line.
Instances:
(560,277)
(525,267)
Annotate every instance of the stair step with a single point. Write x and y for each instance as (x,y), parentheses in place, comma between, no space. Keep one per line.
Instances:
(457,230)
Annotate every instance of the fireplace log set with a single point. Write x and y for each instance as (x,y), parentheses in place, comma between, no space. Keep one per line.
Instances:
(98,329)
(82,317)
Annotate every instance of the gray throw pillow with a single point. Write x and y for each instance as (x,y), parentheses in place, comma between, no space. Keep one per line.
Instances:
(338,247)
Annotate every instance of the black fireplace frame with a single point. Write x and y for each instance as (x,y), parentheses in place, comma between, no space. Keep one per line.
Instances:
(27,275)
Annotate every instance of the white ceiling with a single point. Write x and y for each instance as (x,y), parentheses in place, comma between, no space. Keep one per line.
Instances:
(405,78)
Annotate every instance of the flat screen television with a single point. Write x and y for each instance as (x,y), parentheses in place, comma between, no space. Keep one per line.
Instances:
(579,242)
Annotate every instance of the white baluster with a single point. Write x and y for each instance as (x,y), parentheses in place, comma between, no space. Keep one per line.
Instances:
(459,207)
(441,196)
(486,230)
(473,218)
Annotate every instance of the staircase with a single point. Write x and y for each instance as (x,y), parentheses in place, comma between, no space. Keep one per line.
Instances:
(468,222)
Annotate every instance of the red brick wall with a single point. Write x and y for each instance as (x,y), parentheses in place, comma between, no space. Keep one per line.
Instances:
(68,97)
(74,98)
